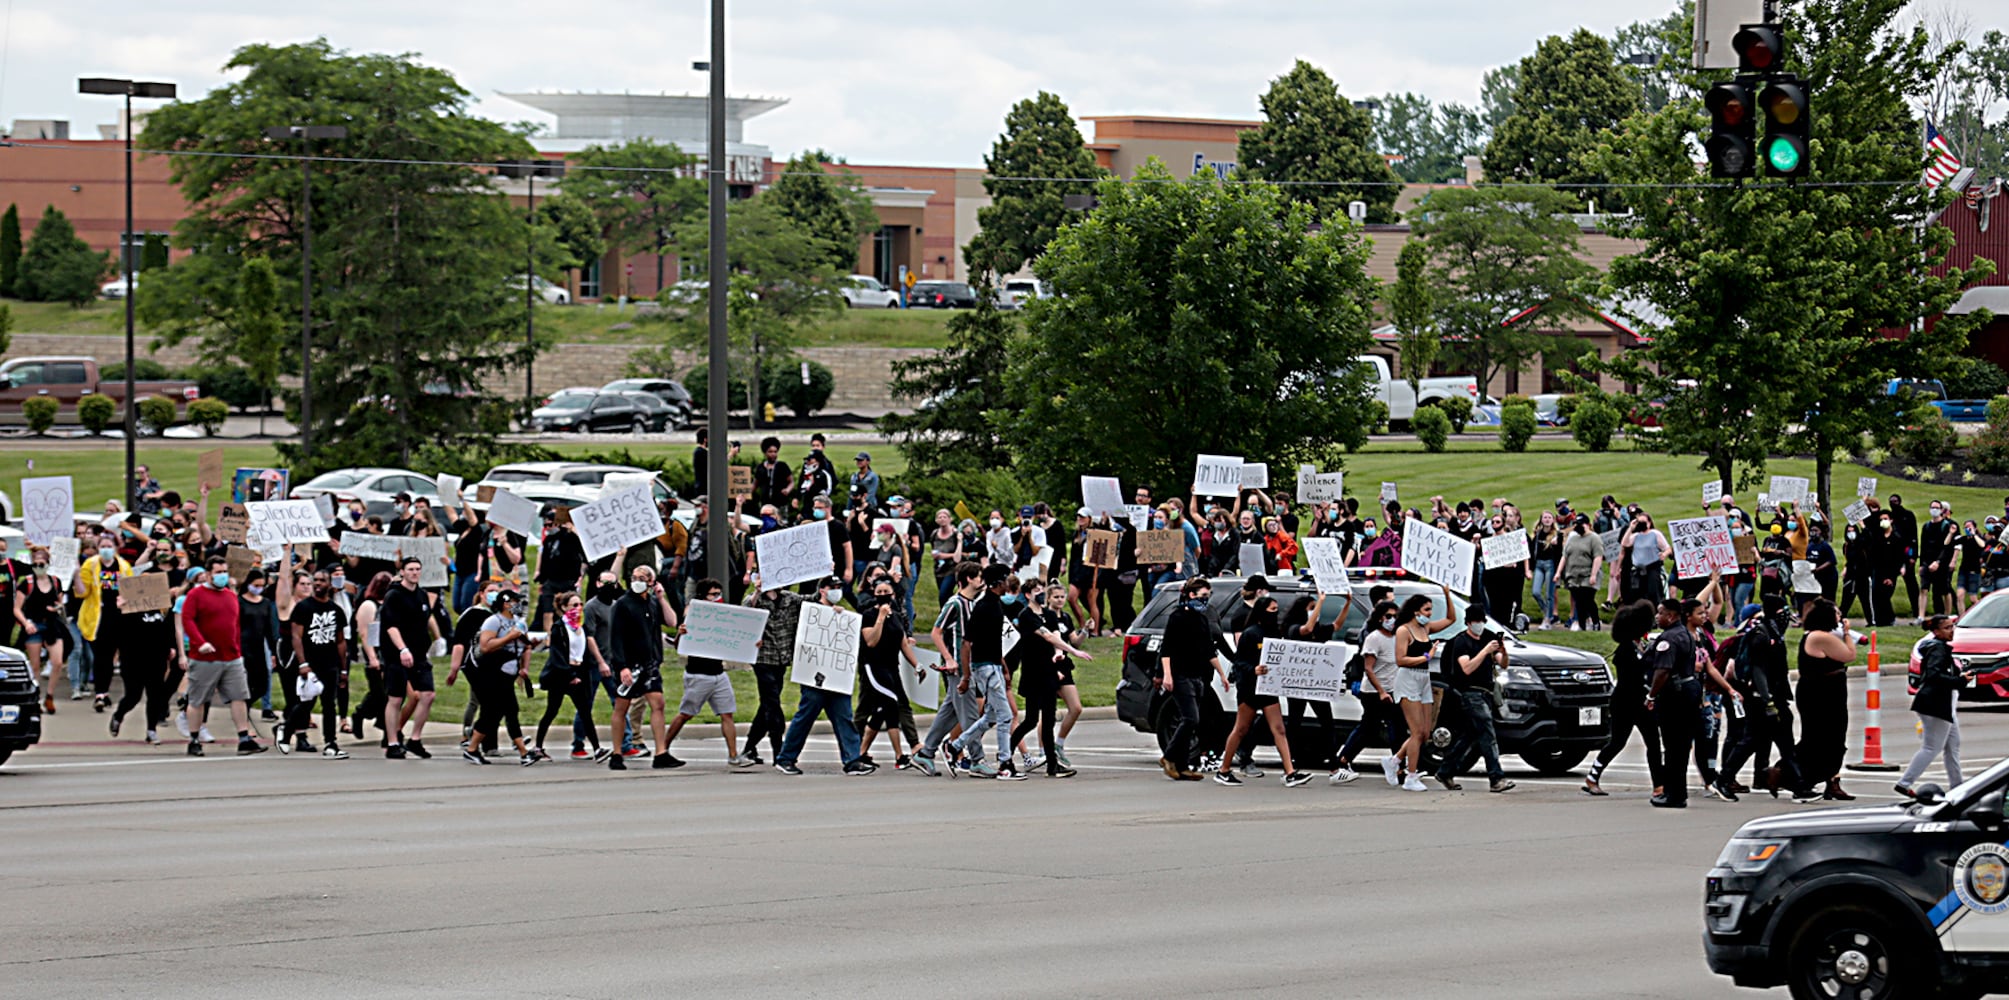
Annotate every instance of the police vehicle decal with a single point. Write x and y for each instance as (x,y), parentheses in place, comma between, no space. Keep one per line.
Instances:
(1981,878)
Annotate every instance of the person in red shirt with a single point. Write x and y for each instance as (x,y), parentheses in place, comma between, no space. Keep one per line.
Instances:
(215,660)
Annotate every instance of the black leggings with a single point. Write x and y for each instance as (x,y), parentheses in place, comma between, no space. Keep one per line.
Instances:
(1628,712)
(767,718)
(581,694)
(1377,717)
(372,707)
(497,692)
(1583,606)
(105,649)
(299,710)
(144,673)
(1039,712)
(1321,750)
(1760,733)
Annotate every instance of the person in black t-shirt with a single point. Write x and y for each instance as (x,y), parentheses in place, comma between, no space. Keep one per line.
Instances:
(1262,625)
(405,634)
(885,642)
(1187,654)
(639,620)
(705,684)
(1043,668)
(320,630)
(771,482)
(986,679)
(1470,659)
(560,565)
(460,654)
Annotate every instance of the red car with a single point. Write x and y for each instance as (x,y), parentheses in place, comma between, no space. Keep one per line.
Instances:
(1981,639)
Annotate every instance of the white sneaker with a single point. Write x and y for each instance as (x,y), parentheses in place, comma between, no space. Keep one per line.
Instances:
(1391,769)
(1576,626)
(1414,784)
(206,738)
(181,723)
(1343,775)
(1034,761)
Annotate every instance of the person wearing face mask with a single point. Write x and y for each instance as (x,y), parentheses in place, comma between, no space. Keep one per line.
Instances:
(1971,550)
(1262,625)
(706,686)
(569,673)
(983,654)
(45,634)
(882,696)
(501,664)
(461,651)
(951,624)
(98,616)
(1218,551)
(1188,655)
(1471,658)
(215,660)
(146,648)
(401,523)
(640,618)
(1042,649)
(1280,546)
(1821,561)
(320,632)
(841,543)
(1904,538)
(259,625)
(998,547)
(815,701)
(597,621)
(1379,714)
(1583,557)
(772,656)
(1935,558)
(1083,594)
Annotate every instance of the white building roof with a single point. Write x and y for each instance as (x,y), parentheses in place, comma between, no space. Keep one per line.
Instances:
(587,118)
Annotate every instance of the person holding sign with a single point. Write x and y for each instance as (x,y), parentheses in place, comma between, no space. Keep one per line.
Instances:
(146,650)
(885,642)
(639,619)
(1470,660)
(815,701)
(1414,650)
(501,662)
(1263,625)
(1040,674)
(705,686)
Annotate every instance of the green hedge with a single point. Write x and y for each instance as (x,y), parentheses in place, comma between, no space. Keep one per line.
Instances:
(1432,426)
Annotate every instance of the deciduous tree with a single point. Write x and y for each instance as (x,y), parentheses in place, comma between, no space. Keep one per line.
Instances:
(833,206)
(1033,166)
(1569,96)
(1321,148)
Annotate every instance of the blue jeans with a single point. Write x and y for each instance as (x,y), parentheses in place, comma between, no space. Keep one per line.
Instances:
(1475,737)
(814,702)
(987,681)
(1740,593)
(907,588)
(78,665)
(944,586)
(464,589)
(1545,587)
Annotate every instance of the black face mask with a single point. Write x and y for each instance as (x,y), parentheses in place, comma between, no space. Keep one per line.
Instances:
(608,592)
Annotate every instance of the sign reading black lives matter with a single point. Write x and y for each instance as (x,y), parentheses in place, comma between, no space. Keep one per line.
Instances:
(1435,554)
(614,522)
(826,648)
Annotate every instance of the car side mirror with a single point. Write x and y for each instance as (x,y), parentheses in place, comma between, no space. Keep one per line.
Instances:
(1931,794)
(1986,812)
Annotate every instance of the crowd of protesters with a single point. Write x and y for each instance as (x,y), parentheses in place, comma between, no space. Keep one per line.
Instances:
(1701,667)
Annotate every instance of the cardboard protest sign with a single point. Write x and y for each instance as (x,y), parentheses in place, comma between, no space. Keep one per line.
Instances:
(1387,492)
(721,631)
(1255,475)
(431,554)
(63,559)
(513,513)
(739,480)
(826,648)
(363,545)
(144,592)
(1504,549)
(1327,564)
(46,505)
(1611,539)
(1249,559)
(241,560)
(1789,490)
(232,523)
(484,493)
(1217,476)
(1305,475)
(1712,491)
(793,555)
(209,470)
(618,520)
(1866,486)
(1101,494)
(1747,549)
(283,522)
(1857,512)
(1308,671)
(1700,545)
(1435,554)
(1161,548)
(1101,549)
(923,684)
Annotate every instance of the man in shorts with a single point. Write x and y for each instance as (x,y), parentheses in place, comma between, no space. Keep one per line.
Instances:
(705,683)
(639,619)
(405,636)
(215,660)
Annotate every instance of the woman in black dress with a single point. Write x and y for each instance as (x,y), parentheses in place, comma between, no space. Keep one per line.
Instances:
(1823,693)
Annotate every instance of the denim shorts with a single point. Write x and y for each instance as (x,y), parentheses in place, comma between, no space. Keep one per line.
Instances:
(1971,582)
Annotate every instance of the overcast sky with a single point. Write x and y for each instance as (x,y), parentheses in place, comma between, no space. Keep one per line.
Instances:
(869,80)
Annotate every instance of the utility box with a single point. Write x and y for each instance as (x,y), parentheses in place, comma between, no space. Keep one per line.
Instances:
(1716,22)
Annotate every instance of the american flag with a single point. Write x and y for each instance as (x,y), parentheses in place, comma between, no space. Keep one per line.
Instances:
(1944,164)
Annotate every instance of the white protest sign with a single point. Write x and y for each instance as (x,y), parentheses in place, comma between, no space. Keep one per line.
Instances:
(1857,512)
(1308,671)
(1217,476)
(899,526)
(1327,565)
(793,555)
(1387,492)
(1255,475)
(1504,549)
(1866,486)
(1712,491)
(450,487)
(1435,554)
(826,647)
(1611,539)
(363,545)
(1325,488)
(283,522)
(923,684)
(1249,559)
(1139,515)
(616,521)
(1701,544)
(430,551)
(1766,505)
(46,504)
(1305,475)
(721,631)
(1101,494)
(325,505)
(513,513)
(618,481)
(63,559)
(1789,490)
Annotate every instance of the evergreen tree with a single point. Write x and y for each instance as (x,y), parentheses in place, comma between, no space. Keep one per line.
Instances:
(1319,147)
(1027,209)
(10,249)
(960,391)
(57,265)
(1569,96)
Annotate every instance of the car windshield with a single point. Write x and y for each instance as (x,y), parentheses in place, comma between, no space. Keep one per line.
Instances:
(571,402)
(516,476)
(1978,785)
(1991,613)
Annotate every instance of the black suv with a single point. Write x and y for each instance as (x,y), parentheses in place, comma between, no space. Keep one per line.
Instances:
(20,704)
(1904,900)
(1553,712)
(942,295)
(671,392)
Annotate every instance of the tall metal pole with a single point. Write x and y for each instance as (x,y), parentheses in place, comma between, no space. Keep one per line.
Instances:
(719,521)
(529,301)
(126,253)
(306,299)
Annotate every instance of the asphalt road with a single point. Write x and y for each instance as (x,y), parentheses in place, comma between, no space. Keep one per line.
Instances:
(130,871)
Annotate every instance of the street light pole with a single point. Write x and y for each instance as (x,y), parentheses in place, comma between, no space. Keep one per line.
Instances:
(718,525)
(128,89)
(530,170)
(305,133)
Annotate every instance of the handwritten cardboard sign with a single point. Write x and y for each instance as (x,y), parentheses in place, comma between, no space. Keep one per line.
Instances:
(209,470)
(739,480)
(617,520)
(721,631)
(1712,491)
(1866,486)
(1326,487)
(1857,512)
(1101,549)
(430,551)
(1700,545)
(513,513)
(793,555)
(1101,494)
(1789,490)
(1249,558)
(232,523)
(1255,475)
(1611,539)
(1165,547)
(1504,549)
(284,522)
(241,561)
(46,505)
(144,592)
(1387,492)
(1747,549)
(1309,671)
(1328,565)
(363,545)
(63,555)
(826,648)
(923,683)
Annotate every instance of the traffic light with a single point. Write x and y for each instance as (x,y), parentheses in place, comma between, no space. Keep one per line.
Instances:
(1789,117)
(1733,128)
(1761,48)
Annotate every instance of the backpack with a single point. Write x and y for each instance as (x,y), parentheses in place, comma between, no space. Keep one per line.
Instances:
(1356,671)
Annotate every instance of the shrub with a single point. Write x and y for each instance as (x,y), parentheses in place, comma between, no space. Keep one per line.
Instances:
(1594,423)
(1566,409)
(1928,437)
(41,413)
(1981,380)
(158,412)
(982,491)
(209,414)
(1989,451)
(1998,412)
(1516,399)
(780,384)
(1459,409)
(96,412)
(231,384)
(144,370)
(1517,425)
(1432,427)
(1377,416)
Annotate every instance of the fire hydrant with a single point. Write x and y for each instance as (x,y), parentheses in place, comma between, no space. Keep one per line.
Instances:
(767,413)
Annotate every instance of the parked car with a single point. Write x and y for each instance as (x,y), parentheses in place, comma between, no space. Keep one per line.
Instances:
(662,416)
(550,293)
(377,487)
(1024,290)
(69,379)
(669,391)
(942,295)
(20,704)
(586,478)
(117,288)
(1981,640)
(1969,411)
(601,412)
(1402,401)
(862,291)
(1554,709)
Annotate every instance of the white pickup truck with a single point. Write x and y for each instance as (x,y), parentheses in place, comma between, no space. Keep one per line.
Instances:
(1402,402)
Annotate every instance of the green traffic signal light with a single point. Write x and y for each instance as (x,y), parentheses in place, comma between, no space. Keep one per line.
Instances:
(1784,154)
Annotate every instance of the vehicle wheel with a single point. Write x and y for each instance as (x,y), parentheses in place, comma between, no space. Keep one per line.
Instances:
(1554,764)
(641,426)
(1854,951)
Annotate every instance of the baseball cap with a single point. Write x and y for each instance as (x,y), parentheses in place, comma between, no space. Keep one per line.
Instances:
(863,456)
(1084,512)
(896,500)
(1025,511)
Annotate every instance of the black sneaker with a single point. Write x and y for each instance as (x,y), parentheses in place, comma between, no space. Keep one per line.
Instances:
(617,763)
(859,766)
(333,752)
(1722,791)
(1226,778)
(247,746)
(1296,778)
(903,762)
(1059,771)
(866,758)
(790,768)
(664,762)
(302,744)
(417,749)
(115,727)
(1010,772)
(395,751)
(195,748)
(269,716)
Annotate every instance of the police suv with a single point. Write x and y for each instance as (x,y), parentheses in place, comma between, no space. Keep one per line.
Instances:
(1895,901)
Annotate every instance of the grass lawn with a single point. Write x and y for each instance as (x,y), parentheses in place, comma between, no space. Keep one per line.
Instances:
(609,324)
(101,316)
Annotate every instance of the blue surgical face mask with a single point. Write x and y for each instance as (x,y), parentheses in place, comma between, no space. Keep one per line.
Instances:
(1011,598)
(1371,532)
(1792,525)
(820,514)
(255,589)
(220,581)
(108,553)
